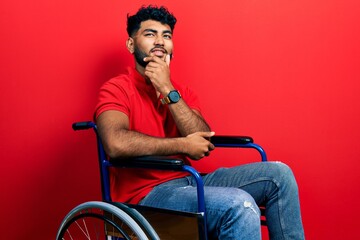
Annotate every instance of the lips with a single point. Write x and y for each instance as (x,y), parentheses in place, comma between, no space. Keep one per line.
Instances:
(158,52)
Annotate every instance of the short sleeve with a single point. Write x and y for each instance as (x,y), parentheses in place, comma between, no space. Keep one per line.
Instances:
(113,95)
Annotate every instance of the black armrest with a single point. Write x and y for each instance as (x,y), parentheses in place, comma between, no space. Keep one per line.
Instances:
(220,139)
(83,125)
(171,162)
(152,162)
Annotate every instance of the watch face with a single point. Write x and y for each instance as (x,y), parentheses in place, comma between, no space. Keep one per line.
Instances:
(174,96)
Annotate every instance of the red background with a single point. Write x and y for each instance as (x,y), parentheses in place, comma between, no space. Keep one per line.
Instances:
(285,72)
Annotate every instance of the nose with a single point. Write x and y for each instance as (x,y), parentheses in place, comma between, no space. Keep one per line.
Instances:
(159,41)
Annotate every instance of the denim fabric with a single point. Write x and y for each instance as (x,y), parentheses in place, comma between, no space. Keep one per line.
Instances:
(231,199)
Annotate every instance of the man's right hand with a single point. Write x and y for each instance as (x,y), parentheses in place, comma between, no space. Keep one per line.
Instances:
(158,72)
(198,145)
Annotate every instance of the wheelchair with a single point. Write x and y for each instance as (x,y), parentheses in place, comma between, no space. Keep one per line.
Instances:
(113,220)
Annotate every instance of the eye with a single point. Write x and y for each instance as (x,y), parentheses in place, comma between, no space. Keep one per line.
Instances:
(149,34)
(167,36)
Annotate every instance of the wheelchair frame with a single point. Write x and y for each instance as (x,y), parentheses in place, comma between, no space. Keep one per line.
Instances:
(131,217)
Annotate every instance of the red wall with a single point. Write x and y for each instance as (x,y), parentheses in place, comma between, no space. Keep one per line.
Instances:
(285,72)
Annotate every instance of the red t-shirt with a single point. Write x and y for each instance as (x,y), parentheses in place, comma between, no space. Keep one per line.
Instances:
(130,94)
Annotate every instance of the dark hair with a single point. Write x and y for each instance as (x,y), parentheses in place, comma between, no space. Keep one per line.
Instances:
(151,12)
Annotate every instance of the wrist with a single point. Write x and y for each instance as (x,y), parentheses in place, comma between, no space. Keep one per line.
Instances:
(173,96)
(183,145)
(166,90)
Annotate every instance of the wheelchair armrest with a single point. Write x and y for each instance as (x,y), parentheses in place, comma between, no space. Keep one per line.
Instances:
(238,142)
(221,139)
(152,162)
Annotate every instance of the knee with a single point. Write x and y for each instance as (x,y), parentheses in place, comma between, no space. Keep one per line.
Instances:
(284,175)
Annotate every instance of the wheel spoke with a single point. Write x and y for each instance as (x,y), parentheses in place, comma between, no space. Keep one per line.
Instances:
(101,221)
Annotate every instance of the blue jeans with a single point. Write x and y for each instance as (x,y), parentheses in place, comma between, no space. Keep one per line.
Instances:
(232,196)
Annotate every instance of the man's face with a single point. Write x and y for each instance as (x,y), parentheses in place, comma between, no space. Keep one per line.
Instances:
(152,39)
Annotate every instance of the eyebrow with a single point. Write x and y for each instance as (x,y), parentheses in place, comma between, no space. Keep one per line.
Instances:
(155,31)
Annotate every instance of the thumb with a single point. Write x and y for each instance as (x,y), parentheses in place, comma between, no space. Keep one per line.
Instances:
(207,134)
(167,59)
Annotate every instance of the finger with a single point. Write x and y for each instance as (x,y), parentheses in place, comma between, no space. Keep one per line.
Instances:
(167,59)
(153,59)
(206,134)
(148,74)
(211,147)
(149,59)
(150,68)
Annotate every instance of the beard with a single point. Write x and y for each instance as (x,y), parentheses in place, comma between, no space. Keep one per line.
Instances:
(139,57)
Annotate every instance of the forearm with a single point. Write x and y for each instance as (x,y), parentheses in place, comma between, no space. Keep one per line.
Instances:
(119,141)
(126,143)
(187,120)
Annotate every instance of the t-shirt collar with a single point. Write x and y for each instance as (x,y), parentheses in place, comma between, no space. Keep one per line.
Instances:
(140,83)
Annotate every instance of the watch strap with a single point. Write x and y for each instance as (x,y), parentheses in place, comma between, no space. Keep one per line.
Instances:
(165,100)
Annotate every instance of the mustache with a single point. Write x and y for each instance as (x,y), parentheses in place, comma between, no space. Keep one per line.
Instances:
(159,47)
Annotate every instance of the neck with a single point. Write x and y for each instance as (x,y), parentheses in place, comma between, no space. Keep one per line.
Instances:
(140,69)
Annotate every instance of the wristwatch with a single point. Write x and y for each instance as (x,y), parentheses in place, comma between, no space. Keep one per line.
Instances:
(173,97)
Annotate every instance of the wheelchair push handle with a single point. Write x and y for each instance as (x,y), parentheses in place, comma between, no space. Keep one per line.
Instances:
(83,125)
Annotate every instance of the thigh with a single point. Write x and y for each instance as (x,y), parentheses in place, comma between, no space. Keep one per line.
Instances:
(259,179)
(177,194)
(181,195)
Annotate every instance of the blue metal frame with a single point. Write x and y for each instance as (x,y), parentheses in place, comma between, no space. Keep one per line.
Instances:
(245,145)
(200,193)
(105,164)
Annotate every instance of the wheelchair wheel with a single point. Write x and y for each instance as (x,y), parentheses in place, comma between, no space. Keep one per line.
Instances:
(101,220)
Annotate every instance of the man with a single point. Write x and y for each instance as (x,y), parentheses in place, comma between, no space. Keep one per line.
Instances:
(146,112)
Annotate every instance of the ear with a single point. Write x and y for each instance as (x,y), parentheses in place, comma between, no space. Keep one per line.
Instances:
(130,45)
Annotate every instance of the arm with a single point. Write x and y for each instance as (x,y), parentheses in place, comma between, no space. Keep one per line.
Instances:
(188,121)
(119,141)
